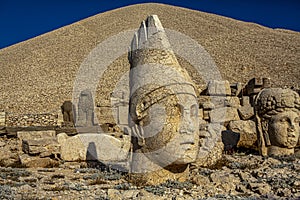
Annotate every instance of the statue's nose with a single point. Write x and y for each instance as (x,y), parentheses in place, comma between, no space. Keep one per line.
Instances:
(291,128)
(187,127)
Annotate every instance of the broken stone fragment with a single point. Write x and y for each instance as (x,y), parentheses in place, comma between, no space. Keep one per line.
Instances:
(246,112)
(34,161)
(43,147)
(236,89)
(247,133)
(101,147)
(31,135)
(224,115)
(218,88)
(2,119)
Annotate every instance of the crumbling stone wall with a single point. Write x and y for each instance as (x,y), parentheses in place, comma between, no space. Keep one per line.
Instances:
(25,120)
(231,105)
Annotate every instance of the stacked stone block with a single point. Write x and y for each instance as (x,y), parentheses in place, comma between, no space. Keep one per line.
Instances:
(231,106)
(27,120)
(38,148)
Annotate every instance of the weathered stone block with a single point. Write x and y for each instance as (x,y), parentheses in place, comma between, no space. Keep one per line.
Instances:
(247,132)
(245,101)
(219,101)
(224,115)
(246,112)
(100,147)
(43,147)
(122,114)
(62,137)
(34,161)
(200,114)
(254,86)
(205,103)
(2,130)
(206,115)
(211,146)
(208,106)
(2,119)
(236,89)
(85,109)
(219,88)
(31,135)
(232,102)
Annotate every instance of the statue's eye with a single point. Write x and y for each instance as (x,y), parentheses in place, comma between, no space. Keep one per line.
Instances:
(194,110)
(297,120)
(181,108)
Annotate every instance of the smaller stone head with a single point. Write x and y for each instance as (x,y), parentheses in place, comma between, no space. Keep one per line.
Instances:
(86,100)
(278,116)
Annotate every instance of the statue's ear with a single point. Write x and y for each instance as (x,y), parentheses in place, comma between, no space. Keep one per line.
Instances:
(265,128)
(138,131)
(261,142)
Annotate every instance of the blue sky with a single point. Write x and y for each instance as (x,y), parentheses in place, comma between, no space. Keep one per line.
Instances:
(24,19)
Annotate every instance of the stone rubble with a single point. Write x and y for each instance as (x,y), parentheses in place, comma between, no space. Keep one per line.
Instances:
(236,176)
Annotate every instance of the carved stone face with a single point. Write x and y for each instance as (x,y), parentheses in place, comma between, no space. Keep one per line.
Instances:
(170,129)
(188,127)
(277,112)
(284,129)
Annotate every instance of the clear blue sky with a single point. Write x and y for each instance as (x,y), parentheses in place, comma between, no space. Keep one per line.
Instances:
(24,19)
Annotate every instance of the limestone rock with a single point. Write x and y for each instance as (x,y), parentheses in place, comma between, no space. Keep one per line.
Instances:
(236,89)
(232,102)
(61,138)
(212,102)
(43,147)
(2,130)
(224,115)
(211,146)
(246,112)
(114,194)
(217,88)
(224,180)
(85,109)
(34,161)
(247,133)
(31,135)
(102,147)
(260,188)
(2,119)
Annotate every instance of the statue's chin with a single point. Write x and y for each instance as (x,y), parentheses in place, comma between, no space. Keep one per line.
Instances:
(185,159)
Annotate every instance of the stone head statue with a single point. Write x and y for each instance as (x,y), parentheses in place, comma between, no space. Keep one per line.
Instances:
(85,109)
(278,116)
(163,104)
(166,123)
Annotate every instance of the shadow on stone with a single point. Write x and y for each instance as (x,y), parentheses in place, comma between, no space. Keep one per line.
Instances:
(230,140)
(91,158)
